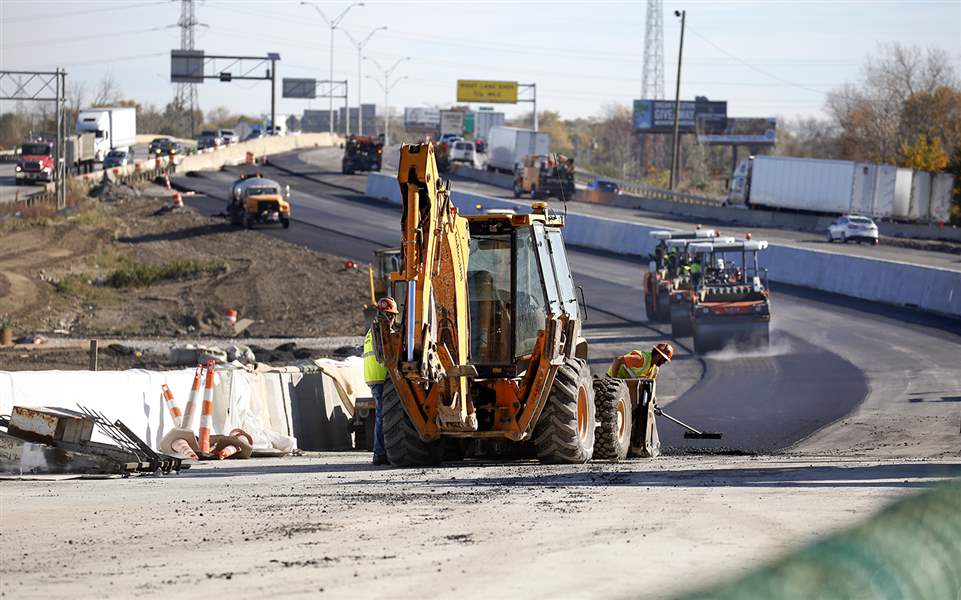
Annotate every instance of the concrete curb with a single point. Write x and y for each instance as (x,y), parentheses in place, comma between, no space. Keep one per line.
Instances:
(930,289)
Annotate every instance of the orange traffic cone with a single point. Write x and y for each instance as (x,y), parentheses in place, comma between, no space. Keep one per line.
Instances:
(206,415)
(182,446)
(178,200)
(191,409)
(171,403)
(239,443)
(231,315)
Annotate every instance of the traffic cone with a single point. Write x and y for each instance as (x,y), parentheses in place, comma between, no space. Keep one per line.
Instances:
(180,441)
(166,176)
(249,158)
(206,415)
(231,315)
(178,200)
(171,403)
(238,444)
(191,410)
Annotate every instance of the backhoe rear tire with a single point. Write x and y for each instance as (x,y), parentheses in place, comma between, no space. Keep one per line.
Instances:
(565,431)
(403,444)
(612,440)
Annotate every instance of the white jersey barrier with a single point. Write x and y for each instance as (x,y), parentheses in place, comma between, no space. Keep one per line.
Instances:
(281,409)
(926,288)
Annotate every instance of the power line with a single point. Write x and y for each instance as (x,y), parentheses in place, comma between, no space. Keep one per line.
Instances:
(755,68)
(73,39)
(47,16)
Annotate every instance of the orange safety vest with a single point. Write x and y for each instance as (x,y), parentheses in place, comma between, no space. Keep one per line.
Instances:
(636,365)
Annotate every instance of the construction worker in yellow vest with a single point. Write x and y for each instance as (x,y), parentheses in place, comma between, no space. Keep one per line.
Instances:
(641,365)
(375,374)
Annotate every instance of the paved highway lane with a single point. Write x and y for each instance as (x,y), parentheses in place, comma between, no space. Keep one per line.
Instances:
(326,158)
(818,371)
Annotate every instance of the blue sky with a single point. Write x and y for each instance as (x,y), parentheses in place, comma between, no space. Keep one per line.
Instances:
(771,58)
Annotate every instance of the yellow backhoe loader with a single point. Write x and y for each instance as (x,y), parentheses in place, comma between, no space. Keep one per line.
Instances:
(488,341)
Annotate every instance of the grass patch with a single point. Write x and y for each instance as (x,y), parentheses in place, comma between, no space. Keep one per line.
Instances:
(134,275)
(77,285)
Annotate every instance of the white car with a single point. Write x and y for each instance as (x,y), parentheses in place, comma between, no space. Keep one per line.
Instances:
(853,228)
(462,152)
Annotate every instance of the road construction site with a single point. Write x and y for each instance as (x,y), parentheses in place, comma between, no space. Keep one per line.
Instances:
(853,405)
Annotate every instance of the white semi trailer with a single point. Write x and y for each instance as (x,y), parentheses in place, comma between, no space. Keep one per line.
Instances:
(507,146)
(114,128)
(840,187)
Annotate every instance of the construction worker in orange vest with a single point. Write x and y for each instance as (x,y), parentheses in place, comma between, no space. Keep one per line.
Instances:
(641,365)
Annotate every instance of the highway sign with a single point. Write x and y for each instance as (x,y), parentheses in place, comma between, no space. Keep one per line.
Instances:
(472,90)
(187,66)
(421,118)
(657,116)
(300,88)
(746,131)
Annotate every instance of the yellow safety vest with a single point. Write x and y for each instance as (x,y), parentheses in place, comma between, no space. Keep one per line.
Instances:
(374,372)
(636,365)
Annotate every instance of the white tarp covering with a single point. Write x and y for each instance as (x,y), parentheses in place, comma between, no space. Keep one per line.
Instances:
(260,403)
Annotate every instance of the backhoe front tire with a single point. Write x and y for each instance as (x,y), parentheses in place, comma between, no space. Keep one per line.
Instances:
(565,431)
(401,440)
(612,440)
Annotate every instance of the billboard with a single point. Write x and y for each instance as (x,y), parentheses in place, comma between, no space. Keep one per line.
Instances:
(300,88)
(187,66)
(746,131)
(657,116)
(451,121)
(421,118)
(472,90)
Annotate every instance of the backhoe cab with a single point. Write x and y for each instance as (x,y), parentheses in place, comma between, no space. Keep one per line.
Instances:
(488,340)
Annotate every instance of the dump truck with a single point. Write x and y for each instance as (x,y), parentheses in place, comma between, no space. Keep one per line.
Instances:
(682,284)
(661,270)
(362,153)
(731,304)
(255,199)
(545,175)
(488,345)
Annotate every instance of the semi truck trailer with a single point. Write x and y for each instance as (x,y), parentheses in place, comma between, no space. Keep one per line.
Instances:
(114,128)
(507,147)
(835,187)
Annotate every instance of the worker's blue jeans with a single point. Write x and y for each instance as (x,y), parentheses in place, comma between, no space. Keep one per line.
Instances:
(377,391)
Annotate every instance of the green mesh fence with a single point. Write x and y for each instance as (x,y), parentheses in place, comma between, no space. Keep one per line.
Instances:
(911,549)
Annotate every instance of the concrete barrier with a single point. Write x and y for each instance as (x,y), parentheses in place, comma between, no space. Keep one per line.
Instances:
(927,288)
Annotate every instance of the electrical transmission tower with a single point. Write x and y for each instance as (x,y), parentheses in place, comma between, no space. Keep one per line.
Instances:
(652,87)
(652,84)
(186,96)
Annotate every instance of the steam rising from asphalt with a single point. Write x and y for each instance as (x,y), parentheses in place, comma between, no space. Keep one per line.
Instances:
(779,346)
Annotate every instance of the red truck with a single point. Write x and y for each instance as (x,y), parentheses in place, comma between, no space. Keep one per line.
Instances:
(35,163)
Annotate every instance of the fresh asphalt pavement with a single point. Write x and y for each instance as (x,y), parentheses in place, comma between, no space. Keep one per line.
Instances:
(819,369)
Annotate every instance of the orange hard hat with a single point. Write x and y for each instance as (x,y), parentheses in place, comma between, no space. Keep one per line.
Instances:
(387,305)
(666,350)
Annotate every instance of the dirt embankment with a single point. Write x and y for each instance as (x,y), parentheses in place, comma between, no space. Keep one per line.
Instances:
(129,268)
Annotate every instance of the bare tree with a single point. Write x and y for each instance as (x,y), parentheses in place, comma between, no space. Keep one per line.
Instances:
(107,92)
(869,113)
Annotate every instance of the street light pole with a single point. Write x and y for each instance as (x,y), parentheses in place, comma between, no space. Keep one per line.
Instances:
(675,146)
(333,23)
(387,86)
(360,49)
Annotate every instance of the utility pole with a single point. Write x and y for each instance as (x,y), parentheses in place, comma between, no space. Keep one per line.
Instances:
(677,103)
(360,49)
(387,87)
(333,23)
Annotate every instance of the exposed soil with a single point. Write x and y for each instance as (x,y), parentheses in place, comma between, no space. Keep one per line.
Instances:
(128,267)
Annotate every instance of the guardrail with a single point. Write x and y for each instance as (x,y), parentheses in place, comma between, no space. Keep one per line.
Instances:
(647,191)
